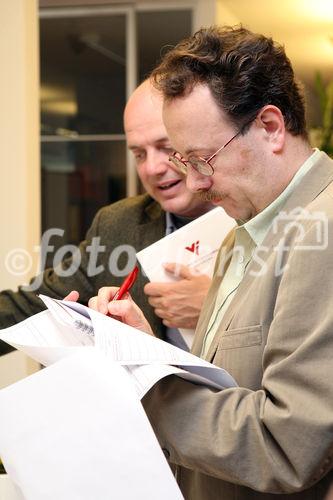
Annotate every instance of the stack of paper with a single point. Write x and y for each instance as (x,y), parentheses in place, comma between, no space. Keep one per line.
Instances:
(77,430)
(68,327)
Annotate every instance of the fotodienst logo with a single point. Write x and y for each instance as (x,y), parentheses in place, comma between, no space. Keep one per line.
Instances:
(302,221)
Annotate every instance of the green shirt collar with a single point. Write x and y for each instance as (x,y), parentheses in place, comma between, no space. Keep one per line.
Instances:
(259,226)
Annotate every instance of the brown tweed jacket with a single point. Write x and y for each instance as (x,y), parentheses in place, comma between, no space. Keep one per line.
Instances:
(137,222)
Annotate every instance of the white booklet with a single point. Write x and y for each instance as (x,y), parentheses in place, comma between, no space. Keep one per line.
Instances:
(194,245)
(68,327)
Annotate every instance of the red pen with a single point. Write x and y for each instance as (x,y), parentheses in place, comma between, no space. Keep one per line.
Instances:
(126,285)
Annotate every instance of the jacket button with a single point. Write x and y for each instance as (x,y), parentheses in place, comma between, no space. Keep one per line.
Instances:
(166,453)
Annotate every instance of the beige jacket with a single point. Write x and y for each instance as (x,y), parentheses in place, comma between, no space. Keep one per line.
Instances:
(274,433)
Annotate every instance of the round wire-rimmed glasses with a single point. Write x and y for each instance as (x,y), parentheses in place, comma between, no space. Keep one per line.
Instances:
(198,163)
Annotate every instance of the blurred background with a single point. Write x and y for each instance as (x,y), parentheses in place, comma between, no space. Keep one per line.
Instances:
(91,56)
(68,67)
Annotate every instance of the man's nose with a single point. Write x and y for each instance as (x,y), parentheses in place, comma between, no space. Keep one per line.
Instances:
(196,182)
(157,162)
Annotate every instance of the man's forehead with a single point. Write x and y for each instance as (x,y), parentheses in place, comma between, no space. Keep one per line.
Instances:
(194,120)
(143,119)
(196,100)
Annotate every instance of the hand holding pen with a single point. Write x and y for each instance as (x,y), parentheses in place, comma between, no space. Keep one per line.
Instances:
(127,284)
(108,302)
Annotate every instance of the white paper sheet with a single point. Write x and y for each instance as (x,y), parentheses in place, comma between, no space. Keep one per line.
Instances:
(77,431)
(194,245)
(147,358)
(8,489)
(44,339)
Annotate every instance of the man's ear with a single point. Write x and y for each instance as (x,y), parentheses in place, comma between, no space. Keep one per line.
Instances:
(272,121)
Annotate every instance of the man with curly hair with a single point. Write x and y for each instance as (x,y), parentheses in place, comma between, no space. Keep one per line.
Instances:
(235,117)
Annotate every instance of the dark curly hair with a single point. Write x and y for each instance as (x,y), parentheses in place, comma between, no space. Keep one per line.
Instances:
(244,71)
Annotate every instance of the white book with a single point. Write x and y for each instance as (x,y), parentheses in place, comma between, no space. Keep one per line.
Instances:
(195,245)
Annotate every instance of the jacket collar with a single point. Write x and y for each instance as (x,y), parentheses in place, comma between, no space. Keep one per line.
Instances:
(315,181)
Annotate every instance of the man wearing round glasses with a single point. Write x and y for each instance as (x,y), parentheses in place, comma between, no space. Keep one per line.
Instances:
(268,316)
(202,165)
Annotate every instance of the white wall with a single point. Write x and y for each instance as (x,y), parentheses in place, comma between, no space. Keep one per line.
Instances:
(224,16)
(20,163)
(204,14)
(210,12)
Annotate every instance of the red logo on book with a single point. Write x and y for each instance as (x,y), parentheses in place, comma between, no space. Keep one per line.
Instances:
(194,248)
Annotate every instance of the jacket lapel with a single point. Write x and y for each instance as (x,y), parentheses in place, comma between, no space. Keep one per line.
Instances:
(316,180)
(150,229)
(224,257)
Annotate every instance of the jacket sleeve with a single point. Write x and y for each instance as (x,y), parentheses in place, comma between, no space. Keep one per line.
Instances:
(278,438)
(17,306)
(120,224)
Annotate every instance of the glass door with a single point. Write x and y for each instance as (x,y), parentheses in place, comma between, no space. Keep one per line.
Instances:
(91,59)
(83,59)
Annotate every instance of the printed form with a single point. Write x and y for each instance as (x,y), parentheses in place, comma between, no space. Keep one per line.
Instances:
(68,327)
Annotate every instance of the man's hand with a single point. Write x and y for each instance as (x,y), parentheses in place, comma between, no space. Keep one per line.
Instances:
(125,310)
(179,303)
(73,296)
